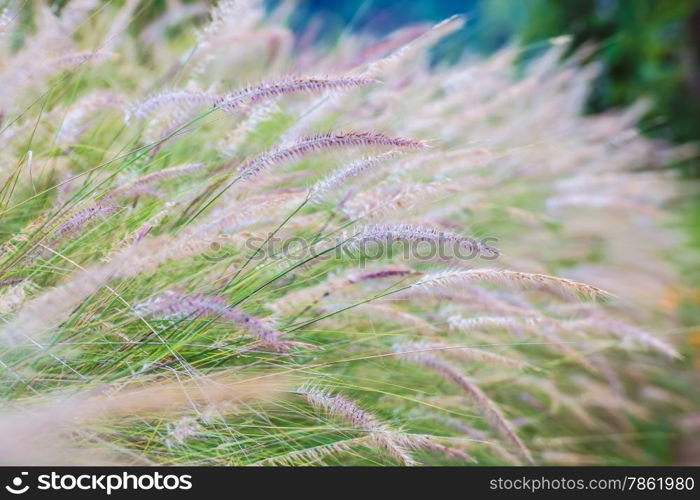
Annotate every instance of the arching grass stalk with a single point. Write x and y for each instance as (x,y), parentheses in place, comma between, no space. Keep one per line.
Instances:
(285,272)
(262,245)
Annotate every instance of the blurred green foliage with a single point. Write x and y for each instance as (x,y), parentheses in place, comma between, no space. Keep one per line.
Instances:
(648,47)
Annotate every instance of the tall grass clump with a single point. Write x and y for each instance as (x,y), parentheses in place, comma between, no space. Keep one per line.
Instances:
(229,247)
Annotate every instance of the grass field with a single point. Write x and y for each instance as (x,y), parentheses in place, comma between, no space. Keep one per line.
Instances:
(224,245)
